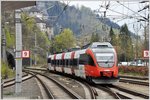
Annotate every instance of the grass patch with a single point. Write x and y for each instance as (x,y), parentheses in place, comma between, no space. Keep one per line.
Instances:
(6,71)
(9,93)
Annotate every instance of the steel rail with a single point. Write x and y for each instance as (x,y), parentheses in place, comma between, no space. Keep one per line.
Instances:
(145,96)
(13,79)
(134,82)
(42,69)
(92,91)
(47,90)
(134,77)
(109,91)
(12,82)
(73,94)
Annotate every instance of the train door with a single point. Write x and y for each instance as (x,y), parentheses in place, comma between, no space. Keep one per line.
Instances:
(83,60)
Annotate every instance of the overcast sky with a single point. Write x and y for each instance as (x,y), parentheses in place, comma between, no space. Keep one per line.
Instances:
(117,12)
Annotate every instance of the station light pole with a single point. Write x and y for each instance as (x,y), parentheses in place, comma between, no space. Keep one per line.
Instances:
(18,59)
(133,51)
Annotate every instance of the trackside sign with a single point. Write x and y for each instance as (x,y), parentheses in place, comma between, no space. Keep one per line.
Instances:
(25,54)
(146,53)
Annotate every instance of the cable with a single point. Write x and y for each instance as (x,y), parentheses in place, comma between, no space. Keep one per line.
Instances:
(65,7)
(132,10)
(46,9)
(120,13)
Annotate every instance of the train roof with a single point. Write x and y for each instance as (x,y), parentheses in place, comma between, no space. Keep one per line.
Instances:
(81,51)
(101,45)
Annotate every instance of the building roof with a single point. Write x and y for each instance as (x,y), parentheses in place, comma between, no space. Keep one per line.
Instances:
(48,24)
(34,9)
(12,5)
(38,20)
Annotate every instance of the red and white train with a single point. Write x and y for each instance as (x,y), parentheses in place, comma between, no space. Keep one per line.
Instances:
(97,63)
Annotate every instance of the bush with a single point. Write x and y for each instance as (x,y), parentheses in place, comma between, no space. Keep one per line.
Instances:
(134,70)
(6,72)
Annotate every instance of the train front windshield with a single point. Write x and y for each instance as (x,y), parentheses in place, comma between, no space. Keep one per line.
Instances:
(105,59)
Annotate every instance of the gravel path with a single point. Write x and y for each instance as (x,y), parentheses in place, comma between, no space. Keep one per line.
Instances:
(30,90)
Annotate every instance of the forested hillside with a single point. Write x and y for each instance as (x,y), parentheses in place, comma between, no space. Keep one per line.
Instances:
(80,20)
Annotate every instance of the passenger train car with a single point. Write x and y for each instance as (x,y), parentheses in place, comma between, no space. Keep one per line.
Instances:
(97,63)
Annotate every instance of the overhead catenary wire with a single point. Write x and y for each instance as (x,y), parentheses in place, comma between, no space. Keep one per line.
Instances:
(65,7)
(126,16)
(132,10)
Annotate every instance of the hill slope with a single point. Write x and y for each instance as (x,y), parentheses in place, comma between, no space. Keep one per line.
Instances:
(80,20)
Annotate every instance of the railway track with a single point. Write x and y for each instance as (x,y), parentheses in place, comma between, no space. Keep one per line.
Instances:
(134,77)
(60,91)
(133,81)
(126,92)
(114,94)
(28,76)
(117,92)
(48,93)
(90,93)
(11,82)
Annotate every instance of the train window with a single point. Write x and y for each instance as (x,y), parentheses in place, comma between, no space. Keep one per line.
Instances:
(66,62)
(75,62)
(60,62)
(70,62)
(90,61)
(54,62)
(63,62)
(83,59)
(102,46)
(49,60)
(57,62)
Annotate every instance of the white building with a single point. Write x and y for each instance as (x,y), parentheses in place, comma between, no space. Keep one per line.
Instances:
(40,21)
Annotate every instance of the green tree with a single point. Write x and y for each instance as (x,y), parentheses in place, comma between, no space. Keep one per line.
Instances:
(28,29)
(64,40)
(9,38)
(31,35)
(94,37)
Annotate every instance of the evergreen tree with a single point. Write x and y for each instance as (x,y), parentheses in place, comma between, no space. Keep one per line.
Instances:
(126,43)
(112,36)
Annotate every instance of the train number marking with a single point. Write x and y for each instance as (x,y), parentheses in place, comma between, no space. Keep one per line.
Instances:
(25,54)
(146,53)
